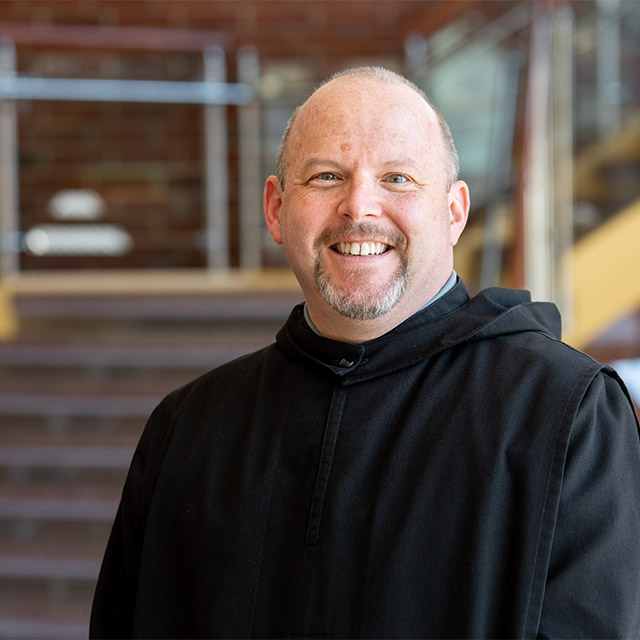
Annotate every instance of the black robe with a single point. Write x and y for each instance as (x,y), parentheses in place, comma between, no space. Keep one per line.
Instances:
(465,475)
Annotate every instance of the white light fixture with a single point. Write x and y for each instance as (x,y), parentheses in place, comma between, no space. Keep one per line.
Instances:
(76,204)
(77,240)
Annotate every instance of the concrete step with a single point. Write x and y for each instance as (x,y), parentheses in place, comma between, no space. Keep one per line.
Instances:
(40,567)
(38,430)
(62,509)
(74,383)
(50,554)
(65,457)
(49,607)
(268,306)
(76,388)
(43,619)
(77,405)
(122,355)
(30,529)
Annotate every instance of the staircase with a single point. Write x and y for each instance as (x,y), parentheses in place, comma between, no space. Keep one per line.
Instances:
(76,386)
(605,261)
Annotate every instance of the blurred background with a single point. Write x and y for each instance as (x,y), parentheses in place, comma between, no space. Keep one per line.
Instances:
(134,141)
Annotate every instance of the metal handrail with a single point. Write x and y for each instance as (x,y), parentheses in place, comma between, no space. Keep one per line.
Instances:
(213,92)
(109,90)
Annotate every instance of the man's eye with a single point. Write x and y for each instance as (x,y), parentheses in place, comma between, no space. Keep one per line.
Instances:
(326,175)
(397,178)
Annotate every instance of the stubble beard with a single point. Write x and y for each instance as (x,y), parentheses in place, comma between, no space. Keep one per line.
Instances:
(366,301)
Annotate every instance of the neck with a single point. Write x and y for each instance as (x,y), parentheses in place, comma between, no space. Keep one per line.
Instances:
(337,327)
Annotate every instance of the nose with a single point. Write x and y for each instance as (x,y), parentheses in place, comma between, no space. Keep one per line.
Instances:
(360,199)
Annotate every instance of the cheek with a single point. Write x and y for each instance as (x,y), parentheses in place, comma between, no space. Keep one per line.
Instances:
(304,218)
(294,230)
(428,234)
(298,238)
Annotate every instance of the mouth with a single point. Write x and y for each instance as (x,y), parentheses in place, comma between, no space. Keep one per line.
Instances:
(366,248)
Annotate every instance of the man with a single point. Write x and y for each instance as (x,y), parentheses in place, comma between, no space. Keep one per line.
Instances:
(404,461)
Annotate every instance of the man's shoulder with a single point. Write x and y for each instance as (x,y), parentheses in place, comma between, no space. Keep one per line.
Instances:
(232,378)
(556,351)
(533,359)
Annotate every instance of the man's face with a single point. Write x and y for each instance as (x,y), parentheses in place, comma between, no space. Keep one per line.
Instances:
(365,217)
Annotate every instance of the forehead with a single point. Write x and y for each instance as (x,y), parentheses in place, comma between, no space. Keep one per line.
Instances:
(379,114)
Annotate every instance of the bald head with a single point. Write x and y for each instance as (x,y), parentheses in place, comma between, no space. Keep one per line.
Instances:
(382,75)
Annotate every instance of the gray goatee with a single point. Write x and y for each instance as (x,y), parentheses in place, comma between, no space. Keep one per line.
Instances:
(361,303)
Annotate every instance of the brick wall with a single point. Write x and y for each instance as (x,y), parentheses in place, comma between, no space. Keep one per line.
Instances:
(144,160)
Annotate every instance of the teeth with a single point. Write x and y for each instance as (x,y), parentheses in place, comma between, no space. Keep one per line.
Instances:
(362,248)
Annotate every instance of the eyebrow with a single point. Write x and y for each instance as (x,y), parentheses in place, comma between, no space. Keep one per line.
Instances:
(402,162)
(310,162)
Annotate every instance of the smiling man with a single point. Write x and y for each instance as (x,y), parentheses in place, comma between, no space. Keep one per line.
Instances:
(372,208)
(405,460)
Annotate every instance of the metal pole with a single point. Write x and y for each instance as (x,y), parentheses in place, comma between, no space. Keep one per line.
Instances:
(106,90)
(608,66)
(537,231)
(416,50)
(8,166)
(216,167)
(562,159)
(500,167)
(250,196)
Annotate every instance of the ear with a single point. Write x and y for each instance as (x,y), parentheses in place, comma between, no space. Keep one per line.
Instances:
(272,202)
(458,210)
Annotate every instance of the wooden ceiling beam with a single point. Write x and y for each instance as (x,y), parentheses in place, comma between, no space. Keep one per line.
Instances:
(437,14)
(112,37)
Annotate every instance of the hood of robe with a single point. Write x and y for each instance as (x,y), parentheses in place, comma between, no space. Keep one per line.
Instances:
(454,319)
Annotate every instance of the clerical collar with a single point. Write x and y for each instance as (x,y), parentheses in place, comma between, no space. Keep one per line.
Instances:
(448,285)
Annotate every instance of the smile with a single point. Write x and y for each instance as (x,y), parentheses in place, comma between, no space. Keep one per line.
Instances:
(360,248)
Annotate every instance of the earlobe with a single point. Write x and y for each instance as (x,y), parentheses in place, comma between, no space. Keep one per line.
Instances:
(459,204)
(272,203)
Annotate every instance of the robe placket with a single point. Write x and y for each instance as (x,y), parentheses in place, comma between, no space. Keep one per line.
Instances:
(330,439)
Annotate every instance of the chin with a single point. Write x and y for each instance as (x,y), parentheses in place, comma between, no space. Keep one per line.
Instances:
(361,304)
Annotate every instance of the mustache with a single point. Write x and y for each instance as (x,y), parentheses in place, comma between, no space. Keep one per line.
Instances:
(364,230)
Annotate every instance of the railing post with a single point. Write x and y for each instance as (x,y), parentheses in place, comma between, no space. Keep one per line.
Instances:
(8,164)
(537,231)
(250,196)
(608,66)
(416,51)
(499,170)
(562,160)
(8,188)
(216,171)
